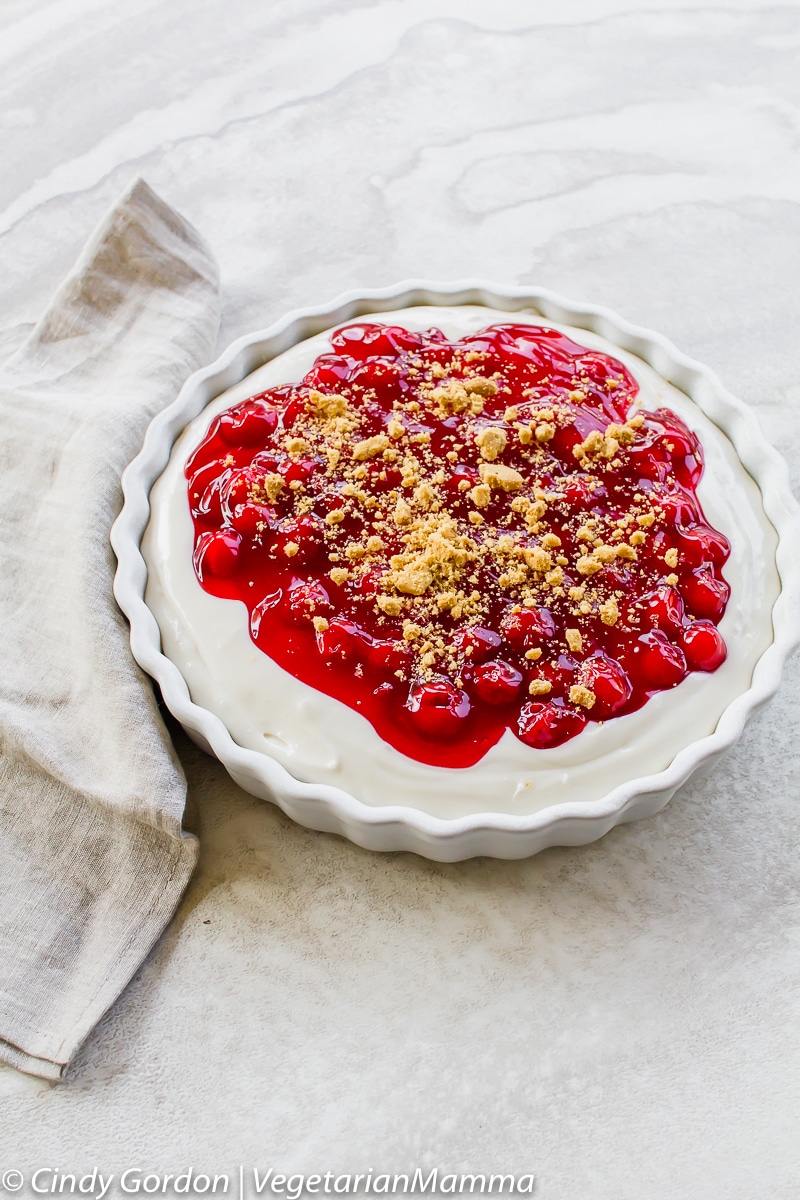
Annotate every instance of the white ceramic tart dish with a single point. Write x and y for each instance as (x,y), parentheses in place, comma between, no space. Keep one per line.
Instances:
(321,761)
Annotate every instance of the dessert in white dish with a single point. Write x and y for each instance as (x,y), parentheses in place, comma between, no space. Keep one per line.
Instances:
(322,741)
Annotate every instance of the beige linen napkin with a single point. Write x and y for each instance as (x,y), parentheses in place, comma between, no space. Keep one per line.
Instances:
(93,858)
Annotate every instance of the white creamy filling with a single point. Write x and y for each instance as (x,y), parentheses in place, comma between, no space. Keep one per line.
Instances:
(320,740)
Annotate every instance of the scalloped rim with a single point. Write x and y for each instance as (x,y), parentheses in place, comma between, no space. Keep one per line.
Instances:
(398,828)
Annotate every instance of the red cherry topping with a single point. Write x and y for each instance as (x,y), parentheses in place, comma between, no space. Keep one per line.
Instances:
(437,709)
(389,657)
(305,599)
(297,470)
(544,726)
(475,643)
(524,628)
(657,664)
(217,554)
(299,539)
(341,639)
(703,646)
(705,595)
(496,682)
(611,686)
(663,609)
(459,537)
(250,520)
(700,545)
(248,425)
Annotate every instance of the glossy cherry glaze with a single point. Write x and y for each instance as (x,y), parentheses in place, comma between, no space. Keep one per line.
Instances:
(305,536)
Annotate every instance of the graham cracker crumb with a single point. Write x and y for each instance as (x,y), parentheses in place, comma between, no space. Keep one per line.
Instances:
(496,475)
(328,407)
(491,442)
(370,447)
(609,611)
(539,687)
(538,559)
(402,513)
(622,434)
(581,695)
(413,580)
(451,398)
(574,640)
(481,387)
(391,605)
(273,486)
(586,565)
(424,495)
(595,446)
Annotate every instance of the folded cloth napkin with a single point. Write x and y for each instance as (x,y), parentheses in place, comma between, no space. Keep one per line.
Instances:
(93,857)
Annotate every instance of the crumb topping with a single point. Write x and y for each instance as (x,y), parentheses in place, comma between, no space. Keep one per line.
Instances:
(392,494)
(445,497)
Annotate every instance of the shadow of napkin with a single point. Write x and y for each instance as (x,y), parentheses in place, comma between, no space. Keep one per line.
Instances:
(93,857)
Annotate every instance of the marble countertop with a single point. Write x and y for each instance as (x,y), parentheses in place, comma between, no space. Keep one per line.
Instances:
(621,1019)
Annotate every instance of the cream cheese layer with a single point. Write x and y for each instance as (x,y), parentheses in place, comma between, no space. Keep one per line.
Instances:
(320,740)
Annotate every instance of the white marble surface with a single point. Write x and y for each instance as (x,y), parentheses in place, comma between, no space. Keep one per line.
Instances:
(622,1019)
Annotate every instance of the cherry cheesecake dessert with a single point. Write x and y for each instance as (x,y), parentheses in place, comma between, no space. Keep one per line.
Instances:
(458,559)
